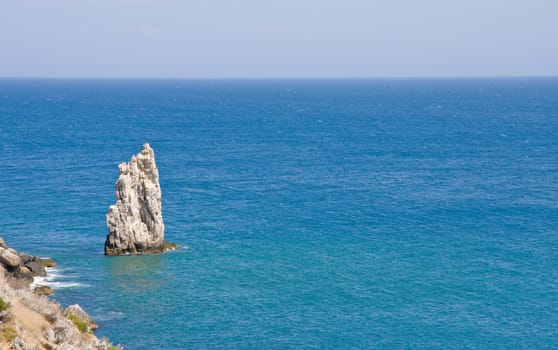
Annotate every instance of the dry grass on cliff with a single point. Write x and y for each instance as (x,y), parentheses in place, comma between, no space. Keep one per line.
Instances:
(31,324)
(40,304)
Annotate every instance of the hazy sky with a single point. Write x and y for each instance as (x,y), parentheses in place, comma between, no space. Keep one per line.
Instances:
(277,38)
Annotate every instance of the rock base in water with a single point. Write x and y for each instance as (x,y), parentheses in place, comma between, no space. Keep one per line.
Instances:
(167,246)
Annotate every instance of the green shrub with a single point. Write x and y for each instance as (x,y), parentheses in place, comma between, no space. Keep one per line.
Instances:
(3,305)
(112,347)
(80,324)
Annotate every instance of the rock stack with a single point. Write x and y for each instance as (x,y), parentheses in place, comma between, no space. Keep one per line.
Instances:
(135,222)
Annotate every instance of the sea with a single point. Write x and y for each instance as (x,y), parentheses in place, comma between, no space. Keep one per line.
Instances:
(311,214)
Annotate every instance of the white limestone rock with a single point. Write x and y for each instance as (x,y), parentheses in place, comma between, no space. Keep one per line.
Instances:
(9,258)
(135,222)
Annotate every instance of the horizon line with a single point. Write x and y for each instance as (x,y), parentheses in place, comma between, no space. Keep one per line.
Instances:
(280,77)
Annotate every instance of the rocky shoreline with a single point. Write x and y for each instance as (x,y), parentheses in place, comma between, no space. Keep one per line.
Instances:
(29,320)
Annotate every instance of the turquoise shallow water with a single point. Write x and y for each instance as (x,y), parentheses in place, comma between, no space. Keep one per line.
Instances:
(313,214)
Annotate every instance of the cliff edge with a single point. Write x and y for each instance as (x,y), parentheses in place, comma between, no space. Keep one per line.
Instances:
(135,222)
(31,321)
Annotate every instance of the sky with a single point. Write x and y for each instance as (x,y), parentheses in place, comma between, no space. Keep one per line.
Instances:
(277,38)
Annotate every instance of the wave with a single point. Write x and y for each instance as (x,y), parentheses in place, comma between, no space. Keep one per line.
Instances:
(107,315)
(56,279)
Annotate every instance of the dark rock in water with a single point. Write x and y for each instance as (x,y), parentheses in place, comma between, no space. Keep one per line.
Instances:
(19,268)
(169,246)
(43,290)
(135,222)
(36,267)
(48,262)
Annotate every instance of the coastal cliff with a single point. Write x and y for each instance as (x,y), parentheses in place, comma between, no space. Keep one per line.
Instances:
(31,321)
(135,222)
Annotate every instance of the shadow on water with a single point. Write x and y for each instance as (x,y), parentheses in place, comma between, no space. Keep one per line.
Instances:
(137,273)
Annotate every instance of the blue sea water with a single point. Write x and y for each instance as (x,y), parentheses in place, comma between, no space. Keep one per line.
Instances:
(409,213)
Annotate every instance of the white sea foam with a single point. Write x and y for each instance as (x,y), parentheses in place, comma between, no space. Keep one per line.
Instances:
(107,315)
(56,279)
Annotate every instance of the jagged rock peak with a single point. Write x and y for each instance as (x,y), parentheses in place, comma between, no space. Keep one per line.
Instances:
(135,222)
